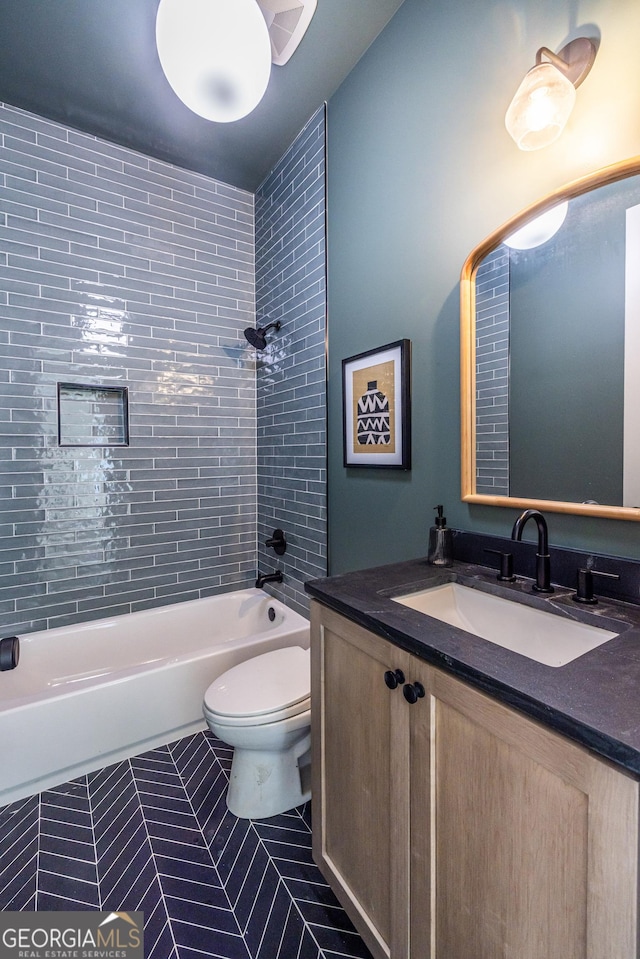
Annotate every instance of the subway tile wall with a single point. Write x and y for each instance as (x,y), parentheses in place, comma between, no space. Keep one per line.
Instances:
(492,374)
(120,270)
(291,372)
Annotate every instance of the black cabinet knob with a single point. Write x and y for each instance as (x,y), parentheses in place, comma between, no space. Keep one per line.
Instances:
(413,692)
(393,678)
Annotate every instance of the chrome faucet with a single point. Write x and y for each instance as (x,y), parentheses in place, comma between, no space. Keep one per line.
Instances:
(543,560)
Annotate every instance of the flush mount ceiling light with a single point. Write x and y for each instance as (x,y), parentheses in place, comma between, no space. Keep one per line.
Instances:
(544,100)
(216,54)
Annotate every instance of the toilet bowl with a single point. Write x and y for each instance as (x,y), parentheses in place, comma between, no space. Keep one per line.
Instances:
(262,708)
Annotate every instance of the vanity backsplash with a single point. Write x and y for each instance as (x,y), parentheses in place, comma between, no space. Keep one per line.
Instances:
(471,548)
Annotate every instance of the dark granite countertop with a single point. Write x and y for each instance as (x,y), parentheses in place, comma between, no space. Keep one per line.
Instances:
(594,700)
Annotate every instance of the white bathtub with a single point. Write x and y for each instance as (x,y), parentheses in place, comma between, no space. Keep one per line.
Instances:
(88,695)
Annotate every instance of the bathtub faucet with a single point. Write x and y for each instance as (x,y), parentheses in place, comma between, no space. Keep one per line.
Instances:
(268,578)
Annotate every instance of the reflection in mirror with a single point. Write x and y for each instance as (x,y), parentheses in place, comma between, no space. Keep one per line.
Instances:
(551,353)
(539,230)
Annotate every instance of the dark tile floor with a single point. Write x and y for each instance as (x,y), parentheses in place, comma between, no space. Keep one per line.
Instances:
(154,834)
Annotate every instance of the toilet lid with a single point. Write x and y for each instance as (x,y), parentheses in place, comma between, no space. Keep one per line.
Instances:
(265,684)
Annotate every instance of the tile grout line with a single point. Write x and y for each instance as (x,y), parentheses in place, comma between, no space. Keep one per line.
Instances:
(294,901)
(284,924)
(95,844)
(108,848)
(281,881)
(149,948)
(204,839)
(39,821)
(115,838)
(153,857)
(271,908)
(211,751)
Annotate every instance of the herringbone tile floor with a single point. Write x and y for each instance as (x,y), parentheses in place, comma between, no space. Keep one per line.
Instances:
(154,834)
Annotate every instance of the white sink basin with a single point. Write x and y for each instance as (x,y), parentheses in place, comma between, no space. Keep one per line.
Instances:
(542,636)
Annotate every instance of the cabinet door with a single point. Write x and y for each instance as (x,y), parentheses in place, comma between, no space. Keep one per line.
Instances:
(360,788)
(419,771)
(536,839)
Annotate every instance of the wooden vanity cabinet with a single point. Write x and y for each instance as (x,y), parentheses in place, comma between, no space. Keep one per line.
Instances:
(454,827)
(360,786)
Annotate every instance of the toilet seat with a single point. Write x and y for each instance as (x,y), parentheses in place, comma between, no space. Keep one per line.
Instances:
(280,688)
(302,710)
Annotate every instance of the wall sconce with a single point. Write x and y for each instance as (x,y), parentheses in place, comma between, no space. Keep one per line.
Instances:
(544,100)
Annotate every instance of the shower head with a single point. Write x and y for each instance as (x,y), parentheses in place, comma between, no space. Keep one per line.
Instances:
(257,337)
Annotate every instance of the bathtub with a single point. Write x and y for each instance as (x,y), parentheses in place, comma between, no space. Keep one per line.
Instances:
(85,696)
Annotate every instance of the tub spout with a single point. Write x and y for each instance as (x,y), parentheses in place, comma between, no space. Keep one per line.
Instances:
(268,578)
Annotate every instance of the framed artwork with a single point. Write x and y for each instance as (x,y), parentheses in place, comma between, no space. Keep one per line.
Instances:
(376,394)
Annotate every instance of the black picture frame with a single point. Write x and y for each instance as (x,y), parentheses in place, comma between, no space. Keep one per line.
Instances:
(376,407)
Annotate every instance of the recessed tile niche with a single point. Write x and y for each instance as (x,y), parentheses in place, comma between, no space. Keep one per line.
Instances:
(92,415)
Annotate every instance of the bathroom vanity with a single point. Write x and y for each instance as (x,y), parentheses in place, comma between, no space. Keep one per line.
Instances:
(468,801)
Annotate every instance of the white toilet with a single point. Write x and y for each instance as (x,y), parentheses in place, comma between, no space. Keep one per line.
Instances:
(262,708)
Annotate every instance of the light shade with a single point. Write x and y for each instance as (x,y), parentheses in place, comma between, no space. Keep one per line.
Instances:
(541,107)
(216,54)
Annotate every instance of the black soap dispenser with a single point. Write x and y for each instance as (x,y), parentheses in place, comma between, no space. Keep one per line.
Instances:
(440,542)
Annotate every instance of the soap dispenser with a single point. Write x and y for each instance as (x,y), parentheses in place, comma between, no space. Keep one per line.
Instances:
(440,541)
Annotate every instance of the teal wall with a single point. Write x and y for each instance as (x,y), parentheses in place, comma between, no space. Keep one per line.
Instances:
(420,170)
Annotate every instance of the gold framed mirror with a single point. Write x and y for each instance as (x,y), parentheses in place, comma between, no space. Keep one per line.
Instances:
(550,353)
